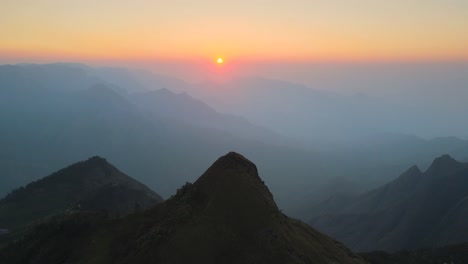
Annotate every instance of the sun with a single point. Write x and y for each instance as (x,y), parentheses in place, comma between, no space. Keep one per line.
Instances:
(220,61)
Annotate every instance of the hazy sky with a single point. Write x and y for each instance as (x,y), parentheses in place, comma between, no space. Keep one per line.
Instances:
(253,30)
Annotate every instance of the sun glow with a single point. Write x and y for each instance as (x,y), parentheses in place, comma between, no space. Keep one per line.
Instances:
(220,61)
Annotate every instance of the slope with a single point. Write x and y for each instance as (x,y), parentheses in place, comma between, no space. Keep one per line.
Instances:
(93,184)
(416,210)
(227,216)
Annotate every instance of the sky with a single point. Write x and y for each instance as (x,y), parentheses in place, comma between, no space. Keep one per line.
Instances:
(255,30)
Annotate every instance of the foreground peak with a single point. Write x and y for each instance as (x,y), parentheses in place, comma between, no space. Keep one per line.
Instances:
(92,162)
(227,216)
(234,158)
(233,181)
(232,165)
(96,159)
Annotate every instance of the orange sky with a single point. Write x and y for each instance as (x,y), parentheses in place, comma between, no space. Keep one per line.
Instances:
(250,30)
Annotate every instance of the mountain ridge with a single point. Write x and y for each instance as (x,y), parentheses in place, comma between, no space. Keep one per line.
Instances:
(226,216)
(93,184)
(422,212)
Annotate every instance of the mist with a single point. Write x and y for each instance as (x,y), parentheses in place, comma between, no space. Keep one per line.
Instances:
(425,99)
(343,128)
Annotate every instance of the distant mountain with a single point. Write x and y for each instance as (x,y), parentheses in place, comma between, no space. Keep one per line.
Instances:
(386,196)
(91,185)
(372,162)
(227,216)
(58,77)
(312,112)
(183,108)
(146,134)
(140,80)
(414,211)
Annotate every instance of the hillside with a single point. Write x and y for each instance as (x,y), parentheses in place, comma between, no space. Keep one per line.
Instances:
(91,185)
(414,211)
(227,216)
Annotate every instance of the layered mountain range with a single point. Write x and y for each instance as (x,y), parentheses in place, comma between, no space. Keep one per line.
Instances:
(416,210)
(227,216)
(55,114)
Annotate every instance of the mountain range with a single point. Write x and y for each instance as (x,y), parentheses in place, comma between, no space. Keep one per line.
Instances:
(416,210)
(228,215)
(317,115)
(47,124)
(90,212)
(55,114)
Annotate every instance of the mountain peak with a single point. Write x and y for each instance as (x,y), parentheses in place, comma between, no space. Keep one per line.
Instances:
(234,211)
(92,163)
(444,164)
(90,185)
(232,184)
(414,169)
(97,160)
(445,158)
(411,173)
(232,166)
(236,160)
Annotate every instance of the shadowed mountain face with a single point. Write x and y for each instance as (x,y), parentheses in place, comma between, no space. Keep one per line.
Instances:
(91,185)
(414,211)
(227,216)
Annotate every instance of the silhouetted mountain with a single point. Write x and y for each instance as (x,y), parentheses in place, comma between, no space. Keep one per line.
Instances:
(227,216)
(93,185)
(414,211)
(58,77)
(383,197)
(372,163)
